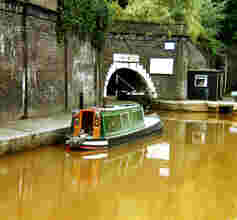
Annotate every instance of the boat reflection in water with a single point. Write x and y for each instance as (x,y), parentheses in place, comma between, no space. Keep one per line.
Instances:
(105,165)
(161,152)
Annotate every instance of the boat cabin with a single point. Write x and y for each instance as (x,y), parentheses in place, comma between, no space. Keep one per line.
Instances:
(109,121)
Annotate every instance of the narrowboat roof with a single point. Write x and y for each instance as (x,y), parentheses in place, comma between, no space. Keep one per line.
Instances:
(119,107)
(111,107)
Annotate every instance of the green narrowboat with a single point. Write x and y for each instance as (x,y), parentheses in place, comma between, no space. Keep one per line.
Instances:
(114,124)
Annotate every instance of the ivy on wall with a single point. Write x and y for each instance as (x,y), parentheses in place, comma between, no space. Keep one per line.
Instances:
(95,16)
(202,17)
(83,17)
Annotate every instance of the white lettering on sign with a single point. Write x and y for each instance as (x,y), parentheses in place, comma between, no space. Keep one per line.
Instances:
(118,57)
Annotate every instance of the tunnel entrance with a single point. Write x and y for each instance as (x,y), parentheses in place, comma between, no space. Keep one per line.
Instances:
(127,77)
(127,85)
(125,81)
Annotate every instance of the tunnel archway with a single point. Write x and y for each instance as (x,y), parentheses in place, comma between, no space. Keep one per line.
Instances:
(126,80)
(130,77)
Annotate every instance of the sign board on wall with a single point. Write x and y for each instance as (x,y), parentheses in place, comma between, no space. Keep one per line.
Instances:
(161,65)
(169,45)
(119,57)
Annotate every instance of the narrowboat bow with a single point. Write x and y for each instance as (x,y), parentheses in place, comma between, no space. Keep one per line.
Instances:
(103,127)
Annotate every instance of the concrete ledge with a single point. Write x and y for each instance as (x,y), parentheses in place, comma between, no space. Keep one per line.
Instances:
(28,134)
(31,141)
(192,105)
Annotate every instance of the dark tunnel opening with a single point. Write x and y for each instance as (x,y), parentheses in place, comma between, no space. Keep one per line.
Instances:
(125,80)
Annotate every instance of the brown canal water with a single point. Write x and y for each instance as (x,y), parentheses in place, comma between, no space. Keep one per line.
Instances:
(189,172)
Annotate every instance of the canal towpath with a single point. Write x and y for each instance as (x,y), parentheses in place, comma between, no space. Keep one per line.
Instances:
(27,134)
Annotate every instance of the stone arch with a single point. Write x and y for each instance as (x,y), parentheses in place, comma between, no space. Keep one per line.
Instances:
(138,68)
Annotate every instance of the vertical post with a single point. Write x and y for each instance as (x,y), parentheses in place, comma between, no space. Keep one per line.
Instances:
(225,73)
(60,6)
(116,84)
(66,71)
(97,77)
(181,72)
(81,100)
(25,55)
(101,77)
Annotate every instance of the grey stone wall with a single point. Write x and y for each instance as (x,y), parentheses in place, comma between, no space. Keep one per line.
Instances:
(146,47)
(147,41)
(232,67)
(51,4)
(193,56)
(33,65)
(82,72)
(45,69)
(11,65)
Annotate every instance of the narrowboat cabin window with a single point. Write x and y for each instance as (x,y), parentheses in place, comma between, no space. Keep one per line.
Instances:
(136,118)
(201,81)
(112,123)
(125,120)
(161,65)
(139,116)
(133,119)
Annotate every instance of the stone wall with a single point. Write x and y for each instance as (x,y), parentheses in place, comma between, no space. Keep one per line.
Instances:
(35,71)
(146,47)
(45,64)
(147,41)
(232,64)
(11,64)
(81,72)
(51,4)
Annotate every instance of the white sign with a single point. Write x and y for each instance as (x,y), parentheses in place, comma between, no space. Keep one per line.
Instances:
(161,65)
(169,45)
(118,57)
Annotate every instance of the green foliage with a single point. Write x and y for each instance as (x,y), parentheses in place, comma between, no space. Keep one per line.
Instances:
(85,16)
(230,23)
(202,17)
(212,17)
(141,11)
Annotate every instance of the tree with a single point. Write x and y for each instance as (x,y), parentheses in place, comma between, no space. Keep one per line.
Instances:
(229,28)
(84,16)
(212,16)
(202,17)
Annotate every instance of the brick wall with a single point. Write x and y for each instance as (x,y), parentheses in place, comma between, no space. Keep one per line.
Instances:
(46,75)
(147,41)
(29,51)
(11,66)
(81,72)
(51,4)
